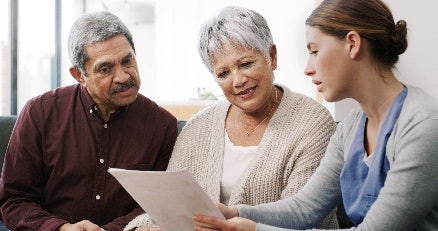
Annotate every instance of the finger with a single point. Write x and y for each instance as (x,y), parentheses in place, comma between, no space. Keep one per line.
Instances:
(211,222)
(200,228)
(228,212)
(143,228)
(88,225)
(204,225)
(202,218)
(149,228)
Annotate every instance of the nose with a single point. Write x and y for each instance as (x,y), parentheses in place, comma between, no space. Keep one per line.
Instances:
(309,70)
(239,79)
(120,74)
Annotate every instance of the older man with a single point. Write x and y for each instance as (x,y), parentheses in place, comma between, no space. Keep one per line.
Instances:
(55,172)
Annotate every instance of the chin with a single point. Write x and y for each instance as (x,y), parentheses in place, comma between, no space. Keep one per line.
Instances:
(333,98)
(126,102)
(329,97)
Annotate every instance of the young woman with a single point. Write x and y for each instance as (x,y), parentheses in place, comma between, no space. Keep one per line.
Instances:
(382,161)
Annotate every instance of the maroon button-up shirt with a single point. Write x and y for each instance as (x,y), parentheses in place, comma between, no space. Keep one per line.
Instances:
(55,169)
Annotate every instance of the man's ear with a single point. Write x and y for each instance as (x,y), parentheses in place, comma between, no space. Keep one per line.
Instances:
(354,44)
(77,75)
(273,56)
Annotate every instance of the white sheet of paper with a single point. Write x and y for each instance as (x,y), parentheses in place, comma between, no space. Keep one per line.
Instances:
(170,198)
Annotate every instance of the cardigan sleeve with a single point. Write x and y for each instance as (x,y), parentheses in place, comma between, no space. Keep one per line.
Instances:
(311,150)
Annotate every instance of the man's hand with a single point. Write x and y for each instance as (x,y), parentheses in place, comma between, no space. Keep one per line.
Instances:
(84,225)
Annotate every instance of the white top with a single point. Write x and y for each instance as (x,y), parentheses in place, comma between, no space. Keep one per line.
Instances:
(368,159)
(236,161)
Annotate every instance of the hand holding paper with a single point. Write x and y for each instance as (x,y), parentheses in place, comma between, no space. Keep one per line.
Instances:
(170,198)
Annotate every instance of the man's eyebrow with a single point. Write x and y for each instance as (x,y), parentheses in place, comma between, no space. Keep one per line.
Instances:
(100,65)
(128,56)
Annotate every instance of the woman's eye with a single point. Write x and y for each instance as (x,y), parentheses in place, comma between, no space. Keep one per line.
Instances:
(247,64)
(222,74)
(314,52)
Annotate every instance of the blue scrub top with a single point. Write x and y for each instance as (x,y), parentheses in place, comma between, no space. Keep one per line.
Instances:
(360,184)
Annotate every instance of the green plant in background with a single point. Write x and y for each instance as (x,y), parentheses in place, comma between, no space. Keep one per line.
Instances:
(206,94)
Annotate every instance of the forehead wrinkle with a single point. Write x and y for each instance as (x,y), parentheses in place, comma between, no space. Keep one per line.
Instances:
(100,64)
(114,58)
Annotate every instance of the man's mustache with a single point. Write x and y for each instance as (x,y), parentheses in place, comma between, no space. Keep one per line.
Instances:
(124,86)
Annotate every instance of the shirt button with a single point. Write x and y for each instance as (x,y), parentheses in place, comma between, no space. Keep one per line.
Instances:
(101,161)
(97,197)
(105,125)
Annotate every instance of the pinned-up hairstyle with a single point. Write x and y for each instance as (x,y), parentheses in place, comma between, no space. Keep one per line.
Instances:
(372,19)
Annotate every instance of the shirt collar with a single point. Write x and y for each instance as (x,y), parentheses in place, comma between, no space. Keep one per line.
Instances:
(91,107)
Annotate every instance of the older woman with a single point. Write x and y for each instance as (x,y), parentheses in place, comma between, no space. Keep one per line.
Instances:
(382,161)
(265,141)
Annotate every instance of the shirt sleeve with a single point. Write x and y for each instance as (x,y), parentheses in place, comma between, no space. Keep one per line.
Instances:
(120,222)
(166,147)
(22,179)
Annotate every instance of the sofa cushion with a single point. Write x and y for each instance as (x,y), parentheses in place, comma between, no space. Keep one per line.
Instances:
(6,125)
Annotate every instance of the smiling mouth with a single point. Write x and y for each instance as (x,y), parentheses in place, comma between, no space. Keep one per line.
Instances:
(247,91)
(316,82)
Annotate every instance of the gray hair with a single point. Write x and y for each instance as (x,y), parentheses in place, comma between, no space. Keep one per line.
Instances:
(92,28)
(234,26)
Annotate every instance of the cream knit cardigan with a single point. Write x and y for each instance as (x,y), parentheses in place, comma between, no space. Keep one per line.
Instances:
(292,146)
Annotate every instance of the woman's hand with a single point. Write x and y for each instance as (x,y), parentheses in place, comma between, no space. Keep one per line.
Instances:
(208,223)
(228,212)
(149,228)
